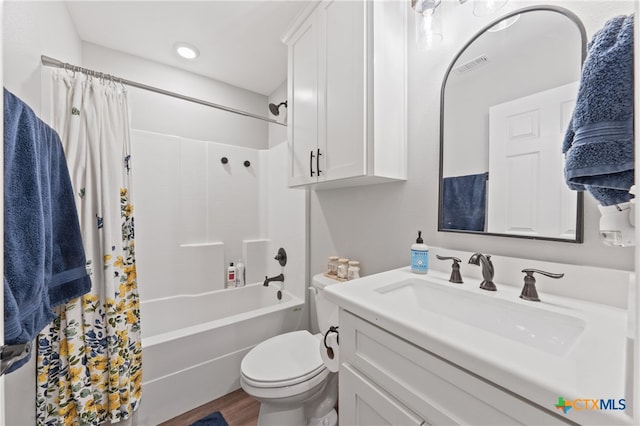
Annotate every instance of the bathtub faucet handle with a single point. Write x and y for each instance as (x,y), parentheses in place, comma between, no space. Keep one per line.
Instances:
(281,257)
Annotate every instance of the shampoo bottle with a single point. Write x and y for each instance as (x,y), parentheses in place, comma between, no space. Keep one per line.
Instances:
(231,275)
(419,256)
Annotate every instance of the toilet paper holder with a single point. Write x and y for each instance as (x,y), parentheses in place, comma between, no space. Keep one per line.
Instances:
(332,329)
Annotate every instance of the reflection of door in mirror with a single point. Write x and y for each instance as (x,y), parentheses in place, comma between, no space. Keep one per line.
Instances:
(523,159)
(521,64)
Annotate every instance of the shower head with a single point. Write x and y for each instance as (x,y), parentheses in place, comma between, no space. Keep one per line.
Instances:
(275,109)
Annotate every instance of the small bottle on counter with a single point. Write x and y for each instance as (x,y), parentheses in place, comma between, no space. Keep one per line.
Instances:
(240,274)
(332,265)
(231,275)
(343,267)
(354,270)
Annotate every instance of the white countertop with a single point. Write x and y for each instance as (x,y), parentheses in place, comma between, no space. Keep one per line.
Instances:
(593,368)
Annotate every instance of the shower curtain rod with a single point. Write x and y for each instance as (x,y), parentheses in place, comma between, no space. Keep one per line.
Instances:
(51,62)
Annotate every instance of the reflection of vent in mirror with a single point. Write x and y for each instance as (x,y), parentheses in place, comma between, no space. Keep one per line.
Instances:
(471,65)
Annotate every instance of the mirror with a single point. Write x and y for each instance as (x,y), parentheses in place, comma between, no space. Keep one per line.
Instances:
(506,101)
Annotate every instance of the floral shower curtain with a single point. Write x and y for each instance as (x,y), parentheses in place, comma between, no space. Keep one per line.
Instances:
(89,364)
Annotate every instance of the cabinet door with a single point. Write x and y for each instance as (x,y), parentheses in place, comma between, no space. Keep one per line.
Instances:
(342,101)
(303,104)
(363,403)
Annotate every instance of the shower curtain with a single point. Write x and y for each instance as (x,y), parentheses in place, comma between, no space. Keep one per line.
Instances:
(89,364)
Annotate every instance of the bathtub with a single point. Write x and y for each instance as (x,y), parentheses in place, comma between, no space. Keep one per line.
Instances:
(193,344)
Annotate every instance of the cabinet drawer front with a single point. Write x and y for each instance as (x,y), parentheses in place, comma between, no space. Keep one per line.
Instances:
(437,390)
(363,403)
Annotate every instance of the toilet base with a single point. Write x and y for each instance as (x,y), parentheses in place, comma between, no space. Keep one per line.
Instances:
(274,415)
(315,407)
(329,419)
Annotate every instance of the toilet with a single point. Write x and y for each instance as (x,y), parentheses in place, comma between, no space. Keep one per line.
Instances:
(287,375)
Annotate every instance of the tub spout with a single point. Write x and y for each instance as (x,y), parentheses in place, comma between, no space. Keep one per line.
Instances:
(276,278)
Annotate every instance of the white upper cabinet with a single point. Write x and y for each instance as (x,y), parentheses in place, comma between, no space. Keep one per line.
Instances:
(347,94)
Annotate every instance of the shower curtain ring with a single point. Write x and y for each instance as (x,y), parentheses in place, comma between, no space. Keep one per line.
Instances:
(69,71)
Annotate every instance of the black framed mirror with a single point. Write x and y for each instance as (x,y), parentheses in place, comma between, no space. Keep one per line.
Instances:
(506,101)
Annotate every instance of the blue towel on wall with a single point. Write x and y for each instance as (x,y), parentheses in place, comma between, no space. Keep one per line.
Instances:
(598,144)
(44,260)
(464,200)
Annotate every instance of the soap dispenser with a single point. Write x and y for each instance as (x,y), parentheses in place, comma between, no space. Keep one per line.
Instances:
(419,256)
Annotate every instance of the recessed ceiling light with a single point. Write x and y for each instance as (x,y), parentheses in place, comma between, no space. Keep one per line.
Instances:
(186,50)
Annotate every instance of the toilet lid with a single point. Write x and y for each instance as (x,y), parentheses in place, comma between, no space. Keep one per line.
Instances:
(284,358)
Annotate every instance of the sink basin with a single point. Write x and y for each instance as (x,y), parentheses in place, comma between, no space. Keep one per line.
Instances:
(551,332)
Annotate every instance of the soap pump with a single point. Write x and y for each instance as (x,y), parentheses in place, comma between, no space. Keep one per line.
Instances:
(419,256)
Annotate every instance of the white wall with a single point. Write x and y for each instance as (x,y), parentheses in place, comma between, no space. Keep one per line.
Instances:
(377,224)
(31,29)
(163,114)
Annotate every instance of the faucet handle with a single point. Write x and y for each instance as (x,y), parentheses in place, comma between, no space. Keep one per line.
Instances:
(529,291)
(281,257)
(455,268)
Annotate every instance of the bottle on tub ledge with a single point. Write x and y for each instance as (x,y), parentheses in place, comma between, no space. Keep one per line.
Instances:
(419,256)
(231,276)
(240,274)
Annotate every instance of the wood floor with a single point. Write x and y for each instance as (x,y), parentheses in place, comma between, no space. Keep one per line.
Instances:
(237,408)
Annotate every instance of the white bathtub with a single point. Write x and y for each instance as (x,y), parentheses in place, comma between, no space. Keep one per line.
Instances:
(193,344)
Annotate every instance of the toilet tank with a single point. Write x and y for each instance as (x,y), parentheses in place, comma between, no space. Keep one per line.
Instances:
(326,313)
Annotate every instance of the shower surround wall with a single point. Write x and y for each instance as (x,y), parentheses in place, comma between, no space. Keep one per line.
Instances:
(195,215)
(193,212)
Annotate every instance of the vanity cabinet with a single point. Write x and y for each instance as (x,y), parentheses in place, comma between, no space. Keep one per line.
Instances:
(347,94)
(387,380)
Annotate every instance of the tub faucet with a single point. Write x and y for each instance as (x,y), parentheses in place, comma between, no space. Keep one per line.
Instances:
(276,278)
(487,270)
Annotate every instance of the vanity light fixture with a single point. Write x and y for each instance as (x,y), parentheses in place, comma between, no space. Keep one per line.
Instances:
(428,23)
(187,51)
(429,19)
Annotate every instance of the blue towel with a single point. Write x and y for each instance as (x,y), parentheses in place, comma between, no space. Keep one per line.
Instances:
(598,144)
(464,200)
(44,260)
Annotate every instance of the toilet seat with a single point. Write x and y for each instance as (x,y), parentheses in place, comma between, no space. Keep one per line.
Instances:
(284,360)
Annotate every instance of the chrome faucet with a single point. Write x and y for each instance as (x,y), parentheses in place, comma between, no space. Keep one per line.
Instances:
(276,278)
(487,270)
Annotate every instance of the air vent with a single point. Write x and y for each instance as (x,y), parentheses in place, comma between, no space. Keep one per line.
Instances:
(471,65)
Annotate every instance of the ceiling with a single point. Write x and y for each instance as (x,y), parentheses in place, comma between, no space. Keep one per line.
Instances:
(239,41)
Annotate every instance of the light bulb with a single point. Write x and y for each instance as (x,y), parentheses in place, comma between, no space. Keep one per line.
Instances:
(487,7)
(186,50)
